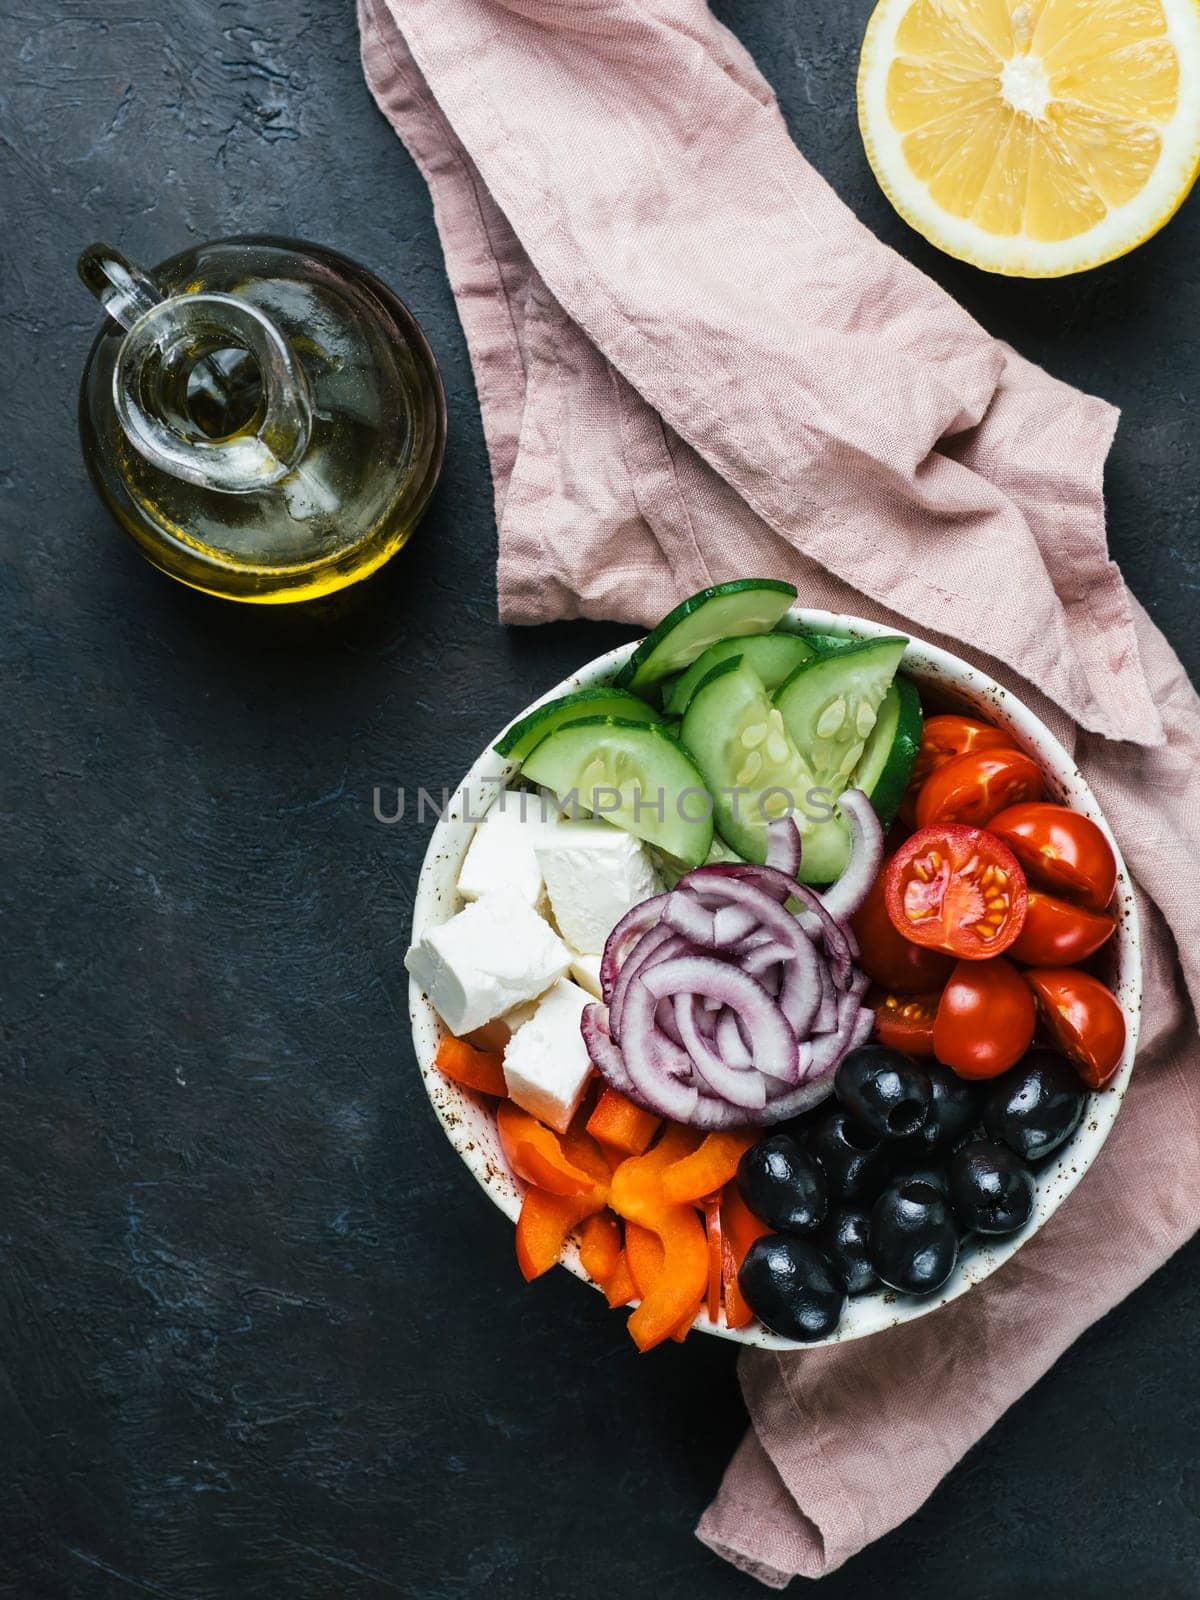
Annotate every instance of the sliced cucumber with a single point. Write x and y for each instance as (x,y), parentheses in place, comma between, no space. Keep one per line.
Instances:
(751,605)
(891,751)
(604,701)
(752,768)
(830,706)
(773,656)
(631,774)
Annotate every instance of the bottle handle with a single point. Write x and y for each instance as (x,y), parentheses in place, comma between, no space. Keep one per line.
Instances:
(165,340)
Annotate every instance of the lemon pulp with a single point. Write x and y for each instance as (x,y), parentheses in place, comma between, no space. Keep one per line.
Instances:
(1034,137)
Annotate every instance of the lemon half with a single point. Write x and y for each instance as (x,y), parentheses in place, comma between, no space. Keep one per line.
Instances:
(1033,137)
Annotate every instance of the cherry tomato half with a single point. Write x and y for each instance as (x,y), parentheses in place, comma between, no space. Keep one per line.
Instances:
(888,958)
(944,737)
(1083,1018)
(905,1022)
(1061,851)
(957,890)
(972,788)
(984,1022)
(1058,934)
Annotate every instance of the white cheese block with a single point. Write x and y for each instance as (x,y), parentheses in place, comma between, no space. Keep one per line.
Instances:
(594,874)
(546,1064)
(494,955)
(586,972)
(501,853)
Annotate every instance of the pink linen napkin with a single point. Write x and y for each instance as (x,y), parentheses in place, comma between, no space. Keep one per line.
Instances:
(695,364)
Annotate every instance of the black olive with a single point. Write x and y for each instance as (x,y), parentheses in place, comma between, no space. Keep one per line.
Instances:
(844,1241)
(853,1160)
(792,1287)
(936,1177)
(888,1093)
(913,1241)
(783,1185)
(953,1113)
(992,1189)
(1035,1106)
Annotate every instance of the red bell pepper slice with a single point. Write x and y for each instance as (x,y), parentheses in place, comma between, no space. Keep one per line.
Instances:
(481,1070)
(709,1168)
(739,1229)
(716,1257)
(618,1122)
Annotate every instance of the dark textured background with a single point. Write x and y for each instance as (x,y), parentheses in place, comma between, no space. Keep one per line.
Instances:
(259,1335)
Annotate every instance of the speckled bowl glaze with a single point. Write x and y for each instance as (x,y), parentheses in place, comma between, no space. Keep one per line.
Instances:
(471,1128)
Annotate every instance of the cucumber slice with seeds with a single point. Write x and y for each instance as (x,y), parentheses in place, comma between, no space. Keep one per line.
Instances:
(830,706)
(753,770)
(603,701)
(773,656)
(632,774)
(748,606)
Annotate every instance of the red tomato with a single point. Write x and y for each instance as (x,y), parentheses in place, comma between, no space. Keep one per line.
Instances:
(888,958)
(905,1022)
(1060,850)
(957,890)
(1058,934)
(943,738)
(1084,1019)
(985,1019)
(972,788)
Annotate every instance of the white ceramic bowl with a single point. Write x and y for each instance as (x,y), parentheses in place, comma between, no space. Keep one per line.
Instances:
(470,1126)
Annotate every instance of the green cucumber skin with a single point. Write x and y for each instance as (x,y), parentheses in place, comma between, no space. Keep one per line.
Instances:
(826,850)
(789,651)
(885,779)
(603,700)
(655,658)
(669,768)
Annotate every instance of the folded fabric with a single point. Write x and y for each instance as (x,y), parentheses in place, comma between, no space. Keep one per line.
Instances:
(695,364)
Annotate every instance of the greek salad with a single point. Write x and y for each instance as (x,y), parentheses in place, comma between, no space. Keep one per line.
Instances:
(782,988)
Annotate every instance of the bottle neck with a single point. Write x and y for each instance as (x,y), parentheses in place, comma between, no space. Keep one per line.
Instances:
(170,343)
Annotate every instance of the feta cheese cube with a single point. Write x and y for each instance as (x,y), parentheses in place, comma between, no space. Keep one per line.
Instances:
(586,972)
(546,1064)
(496,953)
(594,874)
(501,853)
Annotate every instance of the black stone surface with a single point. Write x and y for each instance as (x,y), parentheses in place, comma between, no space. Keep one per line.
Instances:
(259,1335)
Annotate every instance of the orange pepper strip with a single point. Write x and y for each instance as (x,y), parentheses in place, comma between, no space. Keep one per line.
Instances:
(600,1246)
(644,1252)
(617,1121)
(739,1229)
(716,1257)
(537,1154)
(709,1168)
(545,1222)
(620,1288)
(481,1070)
(674,1295)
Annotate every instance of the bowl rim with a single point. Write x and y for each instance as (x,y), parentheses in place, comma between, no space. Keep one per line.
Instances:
(460,1112)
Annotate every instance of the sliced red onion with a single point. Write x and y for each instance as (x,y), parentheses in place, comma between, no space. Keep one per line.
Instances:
(843,898)
(687,916)
(740,1086)
(730,1041)
(732,924)
(633,924)
(647,949)
(772,1040)
(604,1055)
(784,846)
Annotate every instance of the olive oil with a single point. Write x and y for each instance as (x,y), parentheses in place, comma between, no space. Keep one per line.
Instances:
(263,417)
